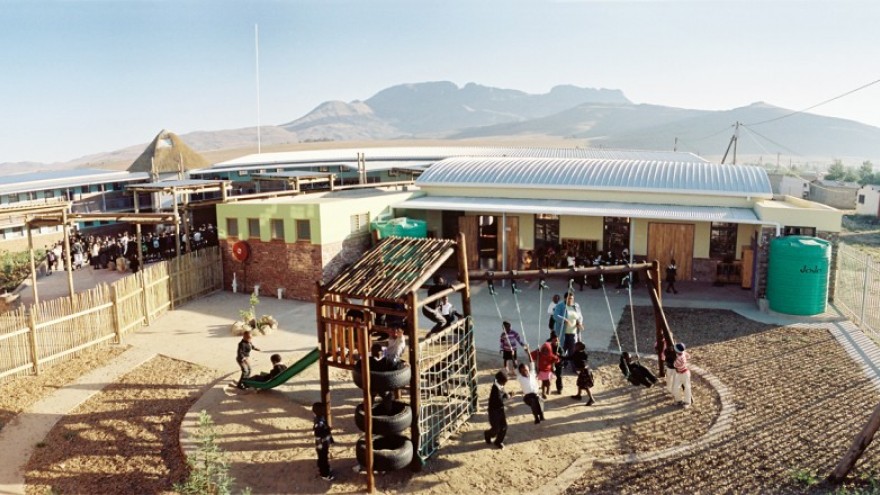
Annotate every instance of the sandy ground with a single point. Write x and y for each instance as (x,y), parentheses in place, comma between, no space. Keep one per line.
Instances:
(123,440)
(798,401)
(20,393)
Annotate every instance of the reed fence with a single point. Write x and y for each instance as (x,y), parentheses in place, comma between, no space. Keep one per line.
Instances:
(53,331)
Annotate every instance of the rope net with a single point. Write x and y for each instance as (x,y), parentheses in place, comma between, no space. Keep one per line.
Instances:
(448,381)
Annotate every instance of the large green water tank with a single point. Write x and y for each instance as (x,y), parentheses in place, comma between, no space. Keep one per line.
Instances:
(797,275)
(400,227)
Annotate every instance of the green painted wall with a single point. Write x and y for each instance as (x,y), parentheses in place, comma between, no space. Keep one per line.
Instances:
(265,212)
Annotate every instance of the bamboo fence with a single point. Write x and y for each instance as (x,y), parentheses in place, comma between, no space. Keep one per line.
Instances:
(57,330)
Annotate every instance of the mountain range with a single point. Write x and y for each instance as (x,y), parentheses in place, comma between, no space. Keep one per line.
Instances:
(578,116)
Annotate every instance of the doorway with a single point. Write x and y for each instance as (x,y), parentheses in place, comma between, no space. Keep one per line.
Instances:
(672,240)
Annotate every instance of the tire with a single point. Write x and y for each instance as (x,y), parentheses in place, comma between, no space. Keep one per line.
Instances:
(390,453)
(397,422)
(383,381)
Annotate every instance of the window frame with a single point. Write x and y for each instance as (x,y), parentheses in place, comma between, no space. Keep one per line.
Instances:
(723,240)
(299,225)
(232,225)
(273,230)
(251,222)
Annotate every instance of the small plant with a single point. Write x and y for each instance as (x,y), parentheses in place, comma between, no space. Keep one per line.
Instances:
(249,315)
(805,477)
(209,468)
(249,321)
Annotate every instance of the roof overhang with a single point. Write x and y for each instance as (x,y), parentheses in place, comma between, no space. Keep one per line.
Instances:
(585,209)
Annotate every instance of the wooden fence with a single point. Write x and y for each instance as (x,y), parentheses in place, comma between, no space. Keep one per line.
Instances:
(857,291)
(46,334)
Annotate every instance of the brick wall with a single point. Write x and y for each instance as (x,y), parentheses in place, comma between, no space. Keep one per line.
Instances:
(294,267)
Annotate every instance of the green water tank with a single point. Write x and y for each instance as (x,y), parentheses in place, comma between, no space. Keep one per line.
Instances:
(400,227)
(797,275)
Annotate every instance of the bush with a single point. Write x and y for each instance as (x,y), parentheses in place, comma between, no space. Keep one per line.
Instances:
(15,268)
(209,469)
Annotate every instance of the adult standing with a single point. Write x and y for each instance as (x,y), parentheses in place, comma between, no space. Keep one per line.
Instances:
(569,323)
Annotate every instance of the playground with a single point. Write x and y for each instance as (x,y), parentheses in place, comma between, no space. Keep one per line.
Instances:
(777,403)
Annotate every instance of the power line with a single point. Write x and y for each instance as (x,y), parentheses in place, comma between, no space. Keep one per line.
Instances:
(786,148)
(816,105)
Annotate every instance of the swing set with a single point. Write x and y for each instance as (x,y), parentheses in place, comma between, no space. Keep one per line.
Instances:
(664,337)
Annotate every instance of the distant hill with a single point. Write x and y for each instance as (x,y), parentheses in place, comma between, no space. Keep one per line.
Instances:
(580,116)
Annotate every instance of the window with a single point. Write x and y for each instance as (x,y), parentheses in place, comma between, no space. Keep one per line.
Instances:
(615,234)
(861,199)
(360,223)
(722,241)
(277,229)
(254,228)
(48,194)
(323,169)
(393,172)
(808,231)
(279,170)
(303,230)
(546,231)
(242,173)
(231,227)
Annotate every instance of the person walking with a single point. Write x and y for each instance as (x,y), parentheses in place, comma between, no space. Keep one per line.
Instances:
(671,274)
(497,416)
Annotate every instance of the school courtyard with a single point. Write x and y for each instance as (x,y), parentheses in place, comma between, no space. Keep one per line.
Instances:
(778,401)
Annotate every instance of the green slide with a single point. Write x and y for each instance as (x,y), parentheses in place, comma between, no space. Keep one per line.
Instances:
(295,369)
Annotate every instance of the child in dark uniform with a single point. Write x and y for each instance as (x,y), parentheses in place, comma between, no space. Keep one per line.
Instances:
(242,357)
(497,416)
(323,439)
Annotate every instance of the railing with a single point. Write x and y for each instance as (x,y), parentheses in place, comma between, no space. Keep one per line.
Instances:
(56,330)
(858,288)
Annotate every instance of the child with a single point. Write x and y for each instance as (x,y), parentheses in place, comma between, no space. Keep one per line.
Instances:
(547,359)
(682,377)
(529,387)
(396,347)
(277,369)
(378,362)
(585,380)
(323,439)
(635,373)
(671,274)
(509,339)
(557,368)
(497,417)
(242,358)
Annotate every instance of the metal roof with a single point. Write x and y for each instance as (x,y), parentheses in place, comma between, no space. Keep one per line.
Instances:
(634,175)
(584,208)
(164,185)
(436,153)
(62,179)
(294,174)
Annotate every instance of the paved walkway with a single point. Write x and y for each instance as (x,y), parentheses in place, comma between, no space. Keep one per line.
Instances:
(19,438)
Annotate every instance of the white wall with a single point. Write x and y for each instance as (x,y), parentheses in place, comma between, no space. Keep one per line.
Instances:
(868,200)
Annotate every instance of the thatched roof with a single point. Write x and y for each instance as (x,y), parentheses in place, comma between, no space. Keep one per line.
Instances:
(165,153)
(396,266)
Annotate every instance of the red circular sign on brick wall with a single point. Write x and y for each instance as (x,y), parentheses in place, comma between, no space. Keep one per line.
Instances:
(241,251)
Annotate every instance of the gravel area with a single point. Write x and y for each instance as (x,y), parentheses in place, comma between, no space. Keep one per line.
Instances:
(125,439)
(799,400)
(20,393)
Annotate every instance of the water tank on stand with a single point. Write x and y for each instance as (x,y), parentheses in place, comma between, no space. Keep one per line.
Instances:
(797,275)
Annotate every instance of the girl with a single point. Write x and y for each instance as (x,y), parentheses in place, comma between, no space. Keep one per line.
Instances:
(508,340)
(547,360)
(682,377)
(585,380)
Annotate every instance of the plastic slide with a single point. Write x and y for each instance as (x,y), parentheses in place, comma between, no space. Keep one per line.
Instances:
(294,369)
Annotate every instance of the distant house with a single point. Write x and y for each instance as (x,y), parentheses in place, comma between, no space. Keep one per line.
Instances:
(837,194)
(868,200)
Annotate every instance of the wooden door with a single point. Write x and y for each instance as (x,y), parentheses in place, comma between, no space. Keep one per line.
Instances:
(672,240)
(512,235)
(468,227)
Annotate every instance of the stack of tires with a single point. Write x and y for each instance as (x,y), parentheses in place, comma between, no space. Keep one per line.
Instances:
(392,450)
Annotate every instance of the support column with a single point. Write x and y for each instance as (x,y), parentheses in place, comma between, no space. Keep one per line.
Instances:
(415,388)
(322,342)
(33,266)
(67,258)
(137,230)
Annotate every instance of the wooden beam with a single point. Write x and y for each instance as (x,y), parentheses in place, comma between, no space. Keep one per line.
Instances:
(446,292)
(363,342)
(415,389)
(559,272)
(67,258)
(463,276)
(33,265)
(860,443)
(322,343)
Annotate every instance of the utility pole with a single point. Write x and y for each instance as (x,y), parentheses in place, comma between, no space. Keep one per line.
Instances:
(732,143)
(675,145)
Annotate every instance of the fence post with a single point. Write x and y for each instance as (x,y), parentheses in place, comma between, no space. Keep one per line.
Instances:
(32,337)
(114,297)
(171,287)
(144,298)
(865,289)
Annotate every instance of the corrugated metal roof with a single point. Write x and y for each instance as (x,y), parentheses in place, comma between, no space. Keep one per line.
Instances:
(600,174)
(372,166)
(62,179)
(182,184)
(584,208)
(435,153)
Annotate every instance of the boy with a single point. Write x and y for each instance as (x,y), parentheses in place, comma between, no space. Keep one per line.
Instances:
(277,369)
(497,417)
(529,386)
(509,340)
(635,373)
(323,439)
(242,358)
(396,347)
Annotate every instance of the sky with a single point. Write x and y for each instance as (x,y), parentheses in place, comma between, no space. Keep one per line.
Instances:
(82,77)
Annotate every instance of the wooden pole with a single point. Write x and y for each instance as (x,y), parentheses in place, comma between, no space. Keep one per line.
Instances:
(33,265)
(559,272)
(415,390)
(860,443)
(363,342)
(463,275)
(654,284)
(137,227)
(186,227)
(323,343)
(67,258)
(144,298)
(114,297)
(32,338)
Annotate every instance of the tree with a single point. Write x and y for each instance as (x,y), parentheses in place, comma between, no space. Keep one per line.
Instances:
(866,173)
(837,171)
